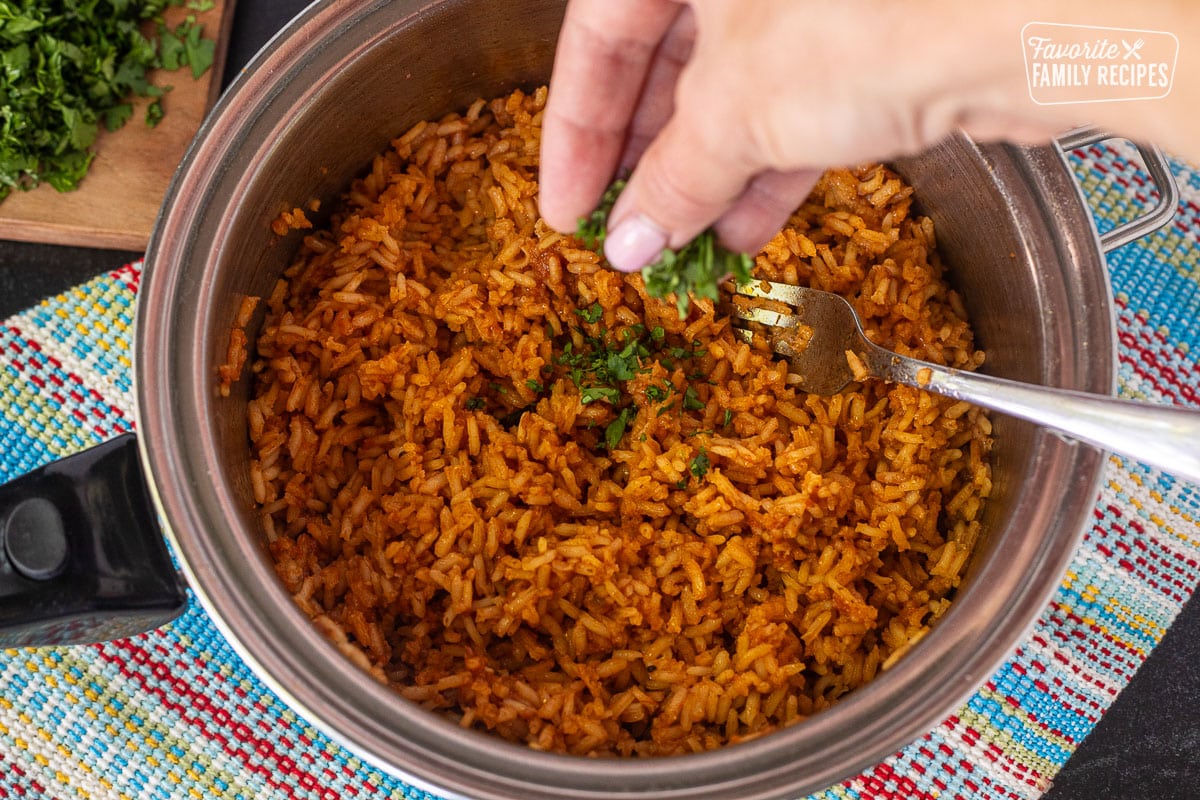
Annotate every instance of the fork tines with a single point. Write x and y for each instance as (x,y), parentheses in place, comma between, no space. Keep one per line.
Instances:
(763,316)
(770,290)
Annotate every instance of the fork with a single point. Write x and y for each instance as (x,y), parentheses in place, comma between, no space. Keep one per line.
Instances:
(822,338)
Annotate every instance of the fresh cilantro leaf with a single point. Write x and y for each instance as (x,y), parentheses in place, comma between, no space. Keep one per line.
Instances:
(592,228)
(728,417)
(590,394)
(154,113)
(592,313)
(117,116)
(616,429)
(473,403)
(691,400)
(535,386)
(621,366)
(172,52)
(700,464)
(200,51)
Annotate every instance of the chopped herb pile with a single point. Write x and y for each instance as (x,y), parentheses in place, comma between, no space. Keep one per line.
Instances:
(605,363)
(692,270)
(69,66)
(601,363)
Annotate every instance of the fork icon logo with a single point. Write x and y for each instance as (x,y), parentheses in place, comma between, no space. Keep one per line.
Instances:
(1133,50)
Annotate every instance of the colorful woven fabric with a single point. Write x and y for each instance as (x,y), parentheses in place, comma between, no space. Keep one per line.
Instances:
(175,713)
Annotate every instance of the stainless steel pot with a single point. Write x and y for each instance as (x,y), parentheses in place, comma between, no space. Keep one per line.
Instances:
(305,118)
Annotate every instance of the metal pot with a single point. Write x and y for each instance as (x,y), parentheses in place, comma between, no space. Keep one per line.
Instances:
(302,121)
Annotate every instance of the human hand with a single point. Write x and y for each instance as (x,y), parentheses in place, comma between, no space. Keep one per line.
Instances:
(727,112)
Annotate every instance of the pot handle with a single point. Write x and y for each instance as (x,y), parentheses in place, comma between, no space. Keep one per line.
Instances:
(1160,173)
(82,557)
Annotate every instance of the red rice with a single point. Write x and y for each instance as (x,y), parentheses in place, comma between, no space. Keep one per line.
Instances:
(524,581)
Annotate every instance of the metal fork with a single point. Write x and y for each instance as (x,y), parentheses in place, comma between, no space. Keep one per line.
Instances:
(821,337)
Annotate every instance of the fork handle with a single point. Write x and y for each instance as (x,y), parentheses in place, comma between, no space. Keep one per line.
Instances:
(1167,437)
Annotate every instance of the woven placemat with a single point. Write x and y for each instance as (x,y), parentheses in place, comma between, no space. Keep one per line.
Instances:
(175,713)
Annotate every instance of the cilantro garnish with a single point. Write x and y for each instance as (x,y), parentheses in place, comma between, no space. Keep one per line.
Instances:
(592,313)
(691,400)
(473,403)
(592,228)
(601,364)
(700,464)
(68,67)
(657,394)
(691,271)
(590,394)
(616,429)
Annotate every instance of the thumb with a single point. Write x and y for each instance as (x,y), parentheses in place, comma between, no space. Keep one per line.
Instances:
(688,177)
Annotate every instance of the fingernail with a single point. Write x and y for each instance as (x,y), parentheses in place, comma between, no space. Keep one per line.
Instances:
(634,243)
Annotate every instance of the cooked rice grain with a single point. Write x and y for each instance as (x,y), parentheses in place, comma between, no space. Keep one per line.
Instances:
(437,498)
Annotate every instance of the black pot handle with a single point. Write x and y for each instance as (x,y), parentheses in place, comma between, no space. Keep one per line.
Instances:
(82,557)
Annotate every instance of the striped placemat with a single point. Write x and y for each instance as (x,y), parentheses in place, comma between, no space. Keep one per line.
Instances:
(176,714)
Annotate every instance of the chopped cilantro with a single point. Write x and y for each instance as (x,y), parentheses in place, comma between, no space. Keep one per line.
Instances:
(154,113)
(592,313)
(535,386)
(592,228)
(67,68)
(728,417)
(473,403)
(700,464)
(622,366)
(692,270)
(602,364)
(590,394)
(616,429)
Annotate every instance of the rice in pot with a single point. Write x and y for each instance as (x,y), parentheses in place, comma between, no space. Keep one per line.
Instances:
(697,555)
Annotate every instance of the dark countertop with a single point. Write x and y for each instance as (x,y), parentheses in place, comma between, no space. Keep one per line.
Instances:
(1148,744)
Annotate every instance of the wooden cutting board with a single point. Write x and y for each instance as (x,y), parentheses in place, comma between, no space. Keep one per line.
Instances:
(117,202)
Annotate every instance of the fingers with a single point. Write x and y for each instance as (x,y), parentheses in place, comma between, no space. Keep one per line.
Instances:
(764,208)
(605,51)
(997,125)
(657,102)
(689,176)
